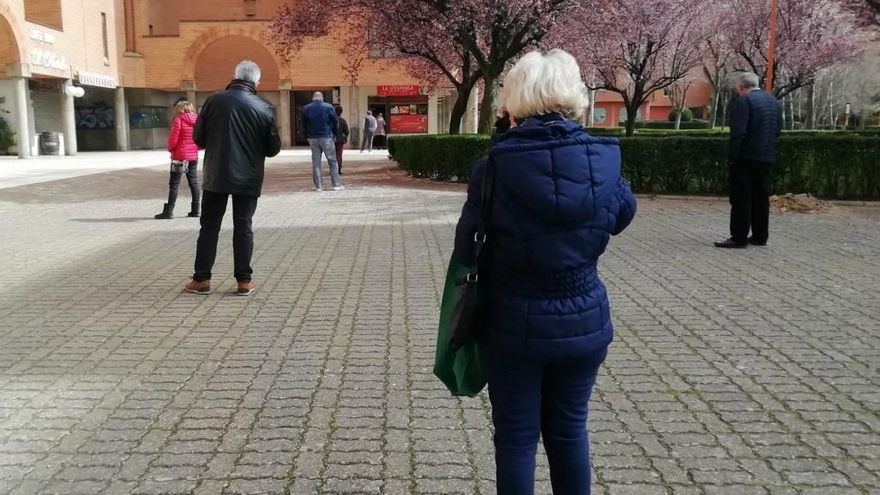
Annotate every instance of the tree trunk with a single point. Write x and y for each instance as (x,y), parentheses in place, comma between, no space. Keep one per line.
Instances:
(487,105)
(631,118)
(460,107)
(716,99)
(591,109)
(678,119)
(784,120)
(724,113)
(811,107)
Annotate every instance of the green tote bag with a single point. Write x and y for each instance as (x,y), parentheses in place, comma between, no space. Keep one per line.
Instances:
(462,312)
(458,368)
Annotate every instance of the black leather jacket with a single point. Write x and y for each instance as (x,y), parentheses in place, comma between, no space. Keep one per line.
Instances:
(237,130)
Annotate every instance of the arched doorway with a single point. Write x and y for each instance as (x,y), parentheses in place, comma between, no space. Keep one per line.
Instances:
(216,63)
(10,90)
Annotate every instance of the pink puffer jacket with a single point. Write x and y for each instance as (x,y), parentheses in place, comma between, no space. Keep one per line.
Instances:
(180,141)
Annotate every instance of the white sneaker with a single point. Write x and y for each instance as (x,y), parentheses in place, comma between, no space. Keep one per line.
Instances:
(338,188)
(318,189)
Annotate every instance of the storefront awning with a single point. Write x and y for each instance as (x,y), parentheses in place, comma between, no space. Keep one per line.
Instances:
(99,80)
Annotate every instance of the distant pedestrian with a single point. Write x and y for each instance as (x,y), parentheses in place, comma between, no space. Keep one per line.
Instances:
(320,125)
(369,132)
(755,123)
(237,130)
(342,132)
(502,124)
(184,158)
(381,132)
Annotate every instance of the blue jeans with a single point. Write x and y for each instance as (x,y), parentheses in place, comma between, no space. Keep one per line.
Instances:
(328,147)
(533,397)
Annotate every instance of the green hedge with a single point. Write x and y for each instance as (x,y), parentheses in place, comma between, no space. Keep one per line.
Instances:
(687,115)
(662,124)
(7,137)
(834,166)
(725,131)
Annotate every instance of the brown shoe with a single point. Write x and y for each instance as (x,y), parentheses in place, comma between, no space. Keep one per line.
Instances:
(246,288)
(202,288)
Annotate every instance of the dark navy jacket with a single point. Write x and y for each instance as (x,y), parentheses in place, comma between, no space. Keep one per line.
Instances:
(319,120)
(755,123)
(558,196)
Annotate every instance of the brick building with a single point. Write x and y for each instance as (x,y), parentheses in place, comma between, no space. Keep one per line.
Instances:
(133,58)
(46,48)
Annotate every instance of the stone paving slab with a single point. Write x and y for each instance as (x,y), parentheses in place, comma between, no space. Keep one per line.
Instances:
(741,372)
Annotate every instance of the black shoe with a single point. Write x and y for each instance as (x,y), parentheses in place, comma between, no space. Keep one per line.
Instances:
(167,212)
(194,210)
(731,244)
(755,242)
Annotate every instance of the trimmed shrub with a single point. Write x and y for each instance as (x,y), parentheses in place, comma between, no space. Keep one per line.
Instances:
(439,157)
(836,166)
(687,115)
(7,137)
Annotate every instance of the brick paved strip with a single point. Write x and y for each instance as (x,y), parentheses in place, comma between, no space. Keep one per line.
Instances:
(739,373)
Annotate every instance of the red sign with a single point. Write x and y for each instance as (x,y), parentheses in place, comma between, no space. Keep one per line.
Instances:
(408,124)
(410,90)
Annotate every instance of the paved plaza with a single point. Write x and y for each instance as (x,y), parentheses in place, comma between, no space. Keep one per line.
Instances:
(732,372)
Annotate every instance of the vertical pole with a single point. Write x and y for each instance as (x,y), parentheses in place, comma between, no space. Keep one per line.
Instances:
(68,119)
(771,50)
(22,97)
(284,110)
(121,120)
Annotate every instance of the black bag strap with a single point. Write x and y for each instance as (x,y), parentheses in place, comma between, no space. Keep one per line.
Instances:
(487,190)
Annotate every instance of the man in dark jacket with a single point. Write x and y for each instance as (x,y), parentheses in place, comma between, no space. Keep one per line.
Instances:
(320,125)
(755,123)
(237,130)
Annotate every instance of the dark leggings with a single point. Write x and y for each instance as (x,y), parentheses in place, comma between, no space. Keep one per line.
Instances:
(192,176)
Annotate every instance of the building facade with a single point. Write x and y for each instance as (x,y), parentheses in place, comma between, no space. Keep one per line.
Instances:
(48,48)
(133,58)
(102,74)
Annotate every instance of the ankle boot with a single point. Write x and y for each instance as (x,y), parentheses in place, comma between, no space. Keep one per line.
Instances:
(167,212)
(194,209)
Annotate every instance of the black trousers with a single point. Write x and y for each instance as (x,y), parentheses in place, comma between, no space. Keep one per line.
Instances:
(749,200)
(213,209)
(192,177)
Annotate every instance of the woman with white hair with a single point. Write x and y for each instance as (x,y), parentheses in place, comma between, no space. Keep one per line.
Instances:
(557,197)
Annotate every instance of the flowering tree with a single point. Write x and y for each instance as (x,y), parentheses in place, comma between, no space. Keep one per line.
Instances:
(717,61)
(408,32)
(461,41)
(867,12)
(813,34)
(636,47)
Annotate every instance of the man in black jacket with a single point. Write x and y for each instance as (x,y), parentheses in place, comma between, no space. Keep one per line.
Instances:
(237,130)
(755,123)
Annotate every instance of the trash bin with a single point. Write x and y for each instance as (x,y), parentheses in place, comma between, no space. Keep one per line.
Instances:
(49,143)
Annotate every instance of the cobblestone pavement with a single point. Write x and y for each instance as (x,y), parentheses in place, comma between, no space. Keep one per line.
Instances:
(745,372)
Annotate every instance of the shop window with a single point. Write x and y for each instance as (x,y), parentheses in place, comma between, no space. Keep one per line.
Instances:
(44,12)
(148,117)
(408,118)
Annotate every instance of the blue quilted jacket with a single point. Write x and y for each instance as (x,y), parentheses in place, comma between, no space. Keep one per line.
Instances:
(558,197)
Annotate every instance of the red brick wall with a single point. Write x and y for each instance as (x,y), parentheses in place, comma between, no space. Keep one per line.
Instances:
(45,12)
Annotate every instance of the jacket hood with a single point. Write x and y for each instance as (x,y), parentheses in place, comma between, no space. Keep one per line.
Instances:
(188,118)
(555,168)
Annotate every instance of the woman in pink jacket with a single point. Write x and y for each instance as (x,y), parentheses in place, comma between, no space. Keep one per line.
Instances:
(184,158)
